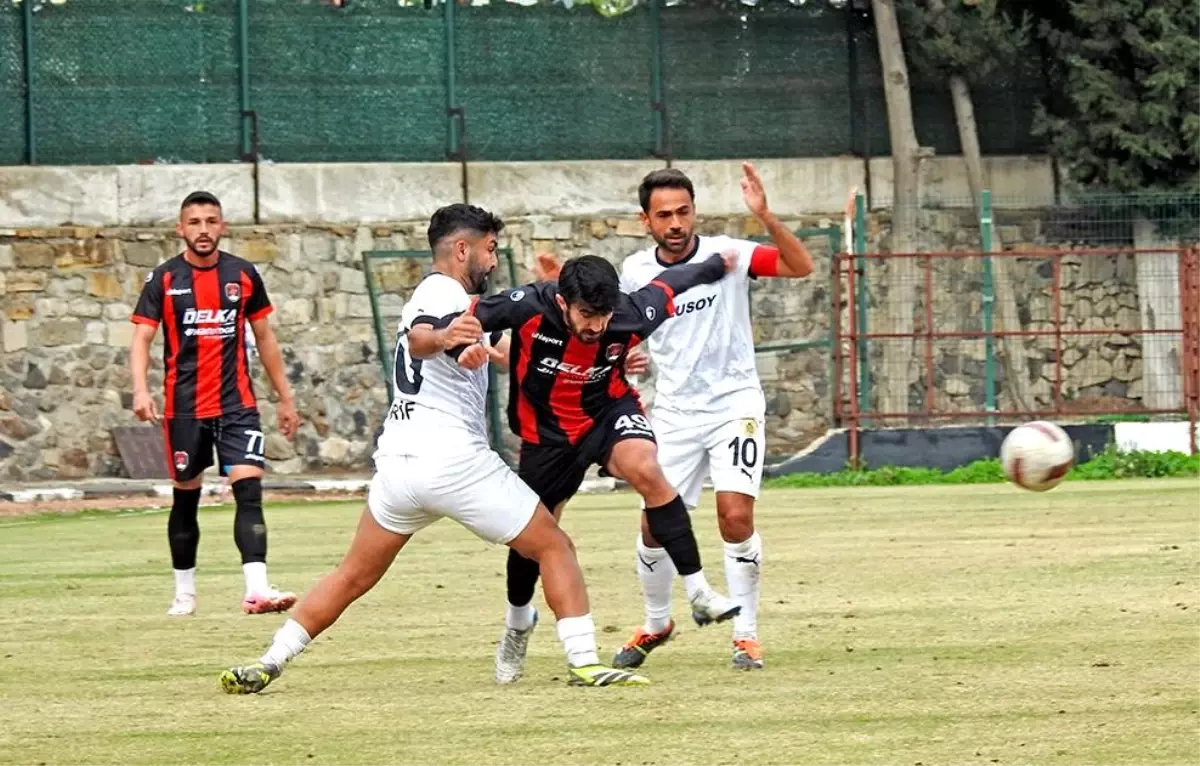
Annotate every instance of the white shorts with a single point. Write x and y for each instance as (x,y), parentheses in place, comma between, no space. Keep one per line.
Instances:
(476,489)
(731,452)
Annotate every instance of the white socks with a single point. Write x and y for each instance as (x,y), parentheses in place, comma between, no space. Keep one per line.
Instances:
(743,562)
(578,636)
(256,578)
(255,573)
(657,572)
(185,582)
(289,641)
(520,617)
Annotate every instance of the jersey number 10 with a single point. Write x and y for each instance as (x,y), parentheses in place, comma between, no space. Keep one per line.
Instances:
(745,450)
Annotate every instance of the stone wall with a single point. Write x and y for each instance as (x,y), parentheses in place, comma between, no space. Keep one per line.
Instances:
(66,295)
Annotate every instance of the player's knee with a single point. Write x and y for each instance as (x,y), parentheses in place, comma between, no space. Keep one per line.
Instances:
(645,475)
(735,518)
(736,525)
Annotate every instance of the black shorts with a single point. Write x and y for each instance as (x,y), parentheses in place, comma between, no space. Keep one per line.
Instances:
(237,437)
(555,472)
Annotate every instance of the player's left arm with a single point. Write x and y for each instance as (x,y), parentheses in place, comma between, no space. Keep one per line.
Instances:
(655,303)
(257,310)
(789,257)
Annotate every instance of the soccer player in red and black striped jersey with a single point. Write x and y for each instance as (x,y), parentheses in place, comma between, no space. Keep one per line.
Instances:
(572,407)
(204,297)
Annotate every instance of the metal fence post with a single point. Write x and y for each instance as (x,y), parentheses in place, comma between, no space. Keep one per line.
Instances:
(658,105)
(243,14)
(860,301)
(989,306)
(30,135)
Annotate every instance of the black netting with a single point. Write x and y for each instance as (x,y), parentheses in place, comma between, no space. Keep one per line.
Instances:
(117,81)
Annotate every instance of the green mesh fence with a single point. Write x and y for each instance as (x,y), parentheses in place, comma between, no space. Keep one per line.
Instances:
(367,83)
(546,83)
(122,82)
(118,81)
(771,81)
(12,86)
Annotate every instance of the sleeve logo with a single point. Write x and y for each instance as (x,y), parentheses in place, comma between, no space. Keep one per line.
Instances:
(651,313)
(516,295)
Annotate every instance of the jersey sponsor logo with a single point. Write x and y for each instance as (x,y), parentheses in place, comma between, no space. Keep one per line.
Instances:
(233,291)
(179,291)
(547,339)
(219,322)
(614,351)
(697,305)
(181,460)
(573,373)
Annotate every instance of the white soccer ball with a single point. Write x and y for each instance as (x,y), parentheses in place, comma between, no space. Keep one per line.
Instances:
(1037,455)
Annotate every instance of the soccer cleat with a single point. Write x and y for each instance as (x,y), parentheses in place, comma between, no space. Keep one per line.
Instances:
(271,601)
(747,654)
(601,675)
(710,607)
(249,679)
(634,652)
(510,654)
(183,605)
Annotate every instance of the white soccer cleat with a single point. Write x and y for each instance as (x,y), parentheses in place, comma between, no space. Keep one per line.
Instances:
(709,607)
(183,605)
(510,654)
(270,601)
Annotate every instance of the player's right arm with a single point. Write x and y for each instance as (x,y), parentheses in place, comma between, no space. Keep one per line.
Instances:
(146,316)
(430,337)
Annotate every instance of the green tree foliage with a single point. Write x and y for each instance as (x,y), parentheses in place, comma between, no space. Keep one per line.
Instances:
(976,39)
(1126,116)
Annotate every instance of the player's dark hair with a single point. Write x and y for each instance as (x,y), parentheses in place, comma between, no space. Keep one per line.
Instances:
(457,217)
(591,281)
(667,178)
(200,198)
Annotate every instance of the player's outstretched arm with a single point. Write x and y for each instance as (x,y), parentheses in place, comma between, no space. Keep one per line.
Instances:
(793,258)
(655,303)
(272,362)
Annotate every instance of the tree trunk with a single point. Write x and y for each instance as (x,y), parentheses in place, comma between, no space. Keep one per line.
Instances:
(1012,350)
(902,278)
(1158,304)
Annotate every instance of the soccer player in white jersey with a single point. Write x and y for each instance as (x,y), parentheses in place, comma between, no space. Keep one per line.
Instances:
(433,460)
(709,409)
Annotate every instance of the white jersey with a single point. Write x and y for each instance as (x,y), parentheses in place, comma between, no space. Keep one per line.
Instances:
(437,406)
(704,354)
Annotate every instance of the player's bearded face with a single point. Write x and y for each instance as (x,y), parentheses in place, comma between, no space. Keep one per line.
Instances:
(586,324)
(481,263)
(201,227)
(671,219)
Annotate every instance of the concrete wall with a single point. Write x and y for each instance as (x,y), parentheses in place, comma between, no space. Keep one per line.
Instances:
(148,195)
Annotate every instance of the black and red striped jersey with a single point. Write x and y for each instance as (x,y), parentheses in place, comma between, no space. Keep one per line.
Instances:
(560,386)
(204,313)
